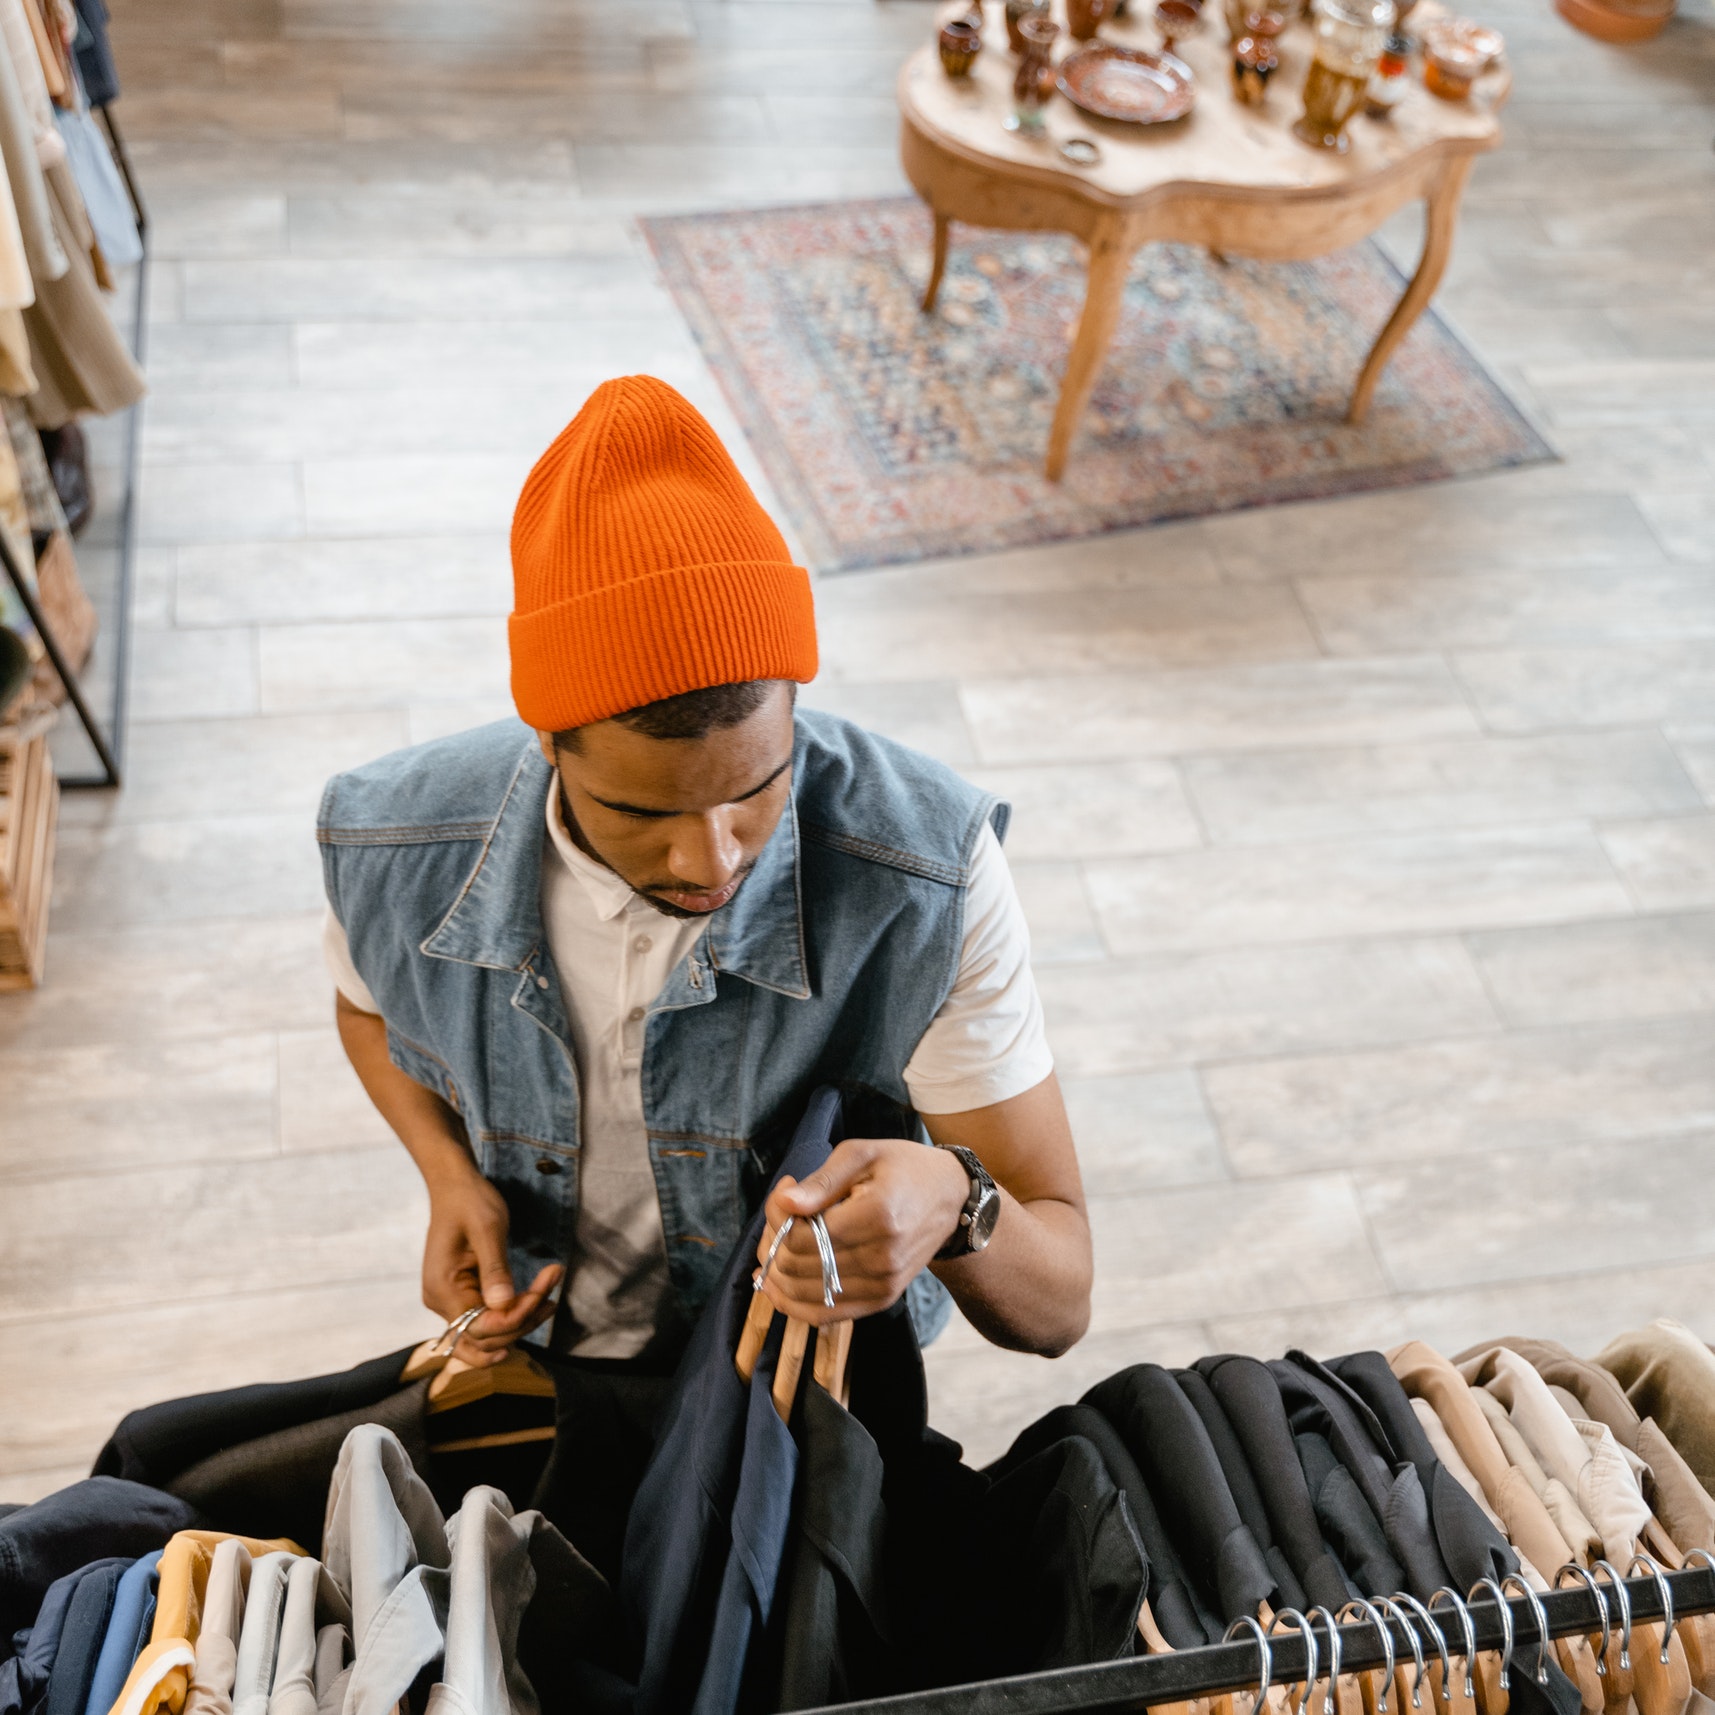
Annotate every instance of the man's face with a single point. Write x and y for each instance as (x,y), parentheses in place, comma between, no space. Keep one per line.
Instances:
(682,820)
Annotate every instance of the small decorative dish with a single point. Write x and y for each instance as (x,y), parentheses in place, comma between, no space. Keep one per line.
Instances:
(1128,84)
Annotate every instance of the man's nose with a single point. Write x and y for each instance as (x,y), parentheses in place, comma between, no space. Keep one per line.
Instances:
(705,853)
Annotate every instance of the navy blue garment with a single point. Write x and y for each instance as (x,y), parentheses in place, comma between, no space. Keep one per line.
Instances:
(24,1674)
(82,1522)
(94,55)
(679,1538)
(81,1638)
(160,1442)
(127,1632)
(761,1522)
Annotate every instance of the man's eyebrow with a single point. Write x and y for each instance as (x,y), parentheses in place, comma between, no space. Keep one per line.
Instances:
(638,810)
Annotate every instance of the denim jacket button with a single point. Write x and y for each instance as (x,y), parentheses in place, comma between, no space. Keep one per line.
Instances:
(541,982)
(547,1166)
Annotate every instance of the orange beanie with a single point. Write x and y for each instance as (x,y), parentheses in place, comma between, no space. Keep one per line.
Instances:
(642,566)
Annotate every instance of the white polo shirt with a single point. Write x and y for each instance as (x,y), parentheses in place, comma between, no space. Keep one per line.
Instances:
(613,952)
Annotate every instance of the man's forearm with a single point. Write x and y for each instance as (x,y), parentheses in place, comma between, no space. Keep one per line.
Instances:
(429,1128)
(1029,1289)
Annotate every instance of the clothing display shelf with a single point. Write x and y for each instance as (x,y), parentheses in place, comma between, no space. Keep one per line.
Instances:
(1132,1686)
(109,746)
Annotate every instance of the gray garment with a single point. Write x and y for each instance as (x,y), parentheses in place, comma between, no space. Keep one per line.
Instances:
(311,1595)
(259,1637)
(385,1545)
(491,1584)
(333,1668)
(104,193)
(217,1640)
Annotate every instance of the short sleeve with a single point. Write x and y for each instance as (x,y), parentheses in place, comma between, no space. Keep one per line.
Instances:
(988,1042)
(336,951)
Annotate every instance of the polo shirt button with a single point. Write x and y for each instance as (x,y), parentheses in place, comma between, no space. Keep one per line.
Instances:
(635,1015)
(547,1166)
(642,944)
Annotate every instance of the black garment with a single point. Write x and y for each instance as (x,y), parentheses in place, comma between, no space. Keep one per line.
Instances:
(1166,1436)
(607,1413)
(1241,1484)
(94,55)
(1250,1396)
(1319,1403)
(1179,1614)
(81,1636)
(24,1676)
(568,1624)
(1469,1542)
(82,1522)
(277,1485)
(1347,1522)
(155,1444)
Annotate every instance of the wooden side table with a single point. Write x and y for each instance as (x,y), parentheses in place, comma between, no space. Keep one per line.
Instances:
(1231,178)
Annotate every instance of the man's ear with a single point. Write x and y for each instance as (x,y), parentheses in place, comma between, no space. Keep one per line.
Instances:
(546,740)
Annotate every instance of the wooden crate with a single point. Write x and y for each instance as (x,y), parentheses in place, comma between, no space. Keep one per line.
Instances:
(29,810)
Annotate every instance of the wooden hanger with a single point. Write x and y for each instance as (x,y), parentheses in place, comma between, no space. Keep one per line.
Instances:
(1155,1644)
(1342,1695)
(1698,1632)
(833,1348)
(1408,1692)
(1661,1675)
(1615,1681)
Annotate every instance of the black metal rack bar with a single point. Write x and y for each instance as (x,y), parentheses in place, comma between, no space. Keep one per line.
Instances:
(1129,1687)
(109,747)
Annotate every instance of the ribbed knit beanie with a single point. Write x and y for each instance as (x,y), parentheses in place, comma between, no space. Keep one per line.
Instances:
(643,567)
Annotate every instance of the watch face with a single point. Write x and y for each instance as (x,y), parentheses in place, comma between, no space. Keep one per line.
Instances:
(983,1219)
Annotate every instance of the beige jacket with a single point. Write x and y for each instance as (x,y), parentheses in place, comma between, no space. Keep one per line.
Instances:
(1669,1374)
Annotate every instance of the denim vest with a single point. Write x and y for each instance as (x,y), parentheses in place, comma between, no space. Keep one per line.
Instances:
(826,968)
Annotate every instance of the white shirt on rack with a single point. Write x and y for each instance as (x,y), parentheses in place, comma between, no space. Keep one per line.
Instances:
(613,952)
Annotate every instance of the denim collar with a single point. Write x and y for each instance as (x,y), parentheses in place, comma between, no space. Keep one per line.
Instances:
(496,920)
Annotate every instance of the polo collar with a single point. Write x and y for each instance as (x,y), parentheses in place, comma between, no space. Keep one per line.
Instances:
(496,919)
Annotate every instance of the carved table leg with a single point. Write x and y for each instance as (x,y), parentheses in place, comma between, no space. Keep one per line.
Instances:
(943,226)
(1442,205)
(1110,256)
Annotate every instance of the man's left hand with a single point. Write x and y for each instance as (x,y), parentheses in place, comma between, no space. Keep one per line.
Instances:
(890,1205)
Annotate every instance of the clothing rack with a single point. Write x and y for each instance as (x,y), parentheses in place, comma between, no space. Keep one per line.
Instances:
(109,747)
(1131,1687)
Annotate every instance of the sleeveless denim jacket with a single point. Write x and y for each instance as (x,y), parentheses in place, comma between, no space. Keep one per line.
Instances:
(826,968)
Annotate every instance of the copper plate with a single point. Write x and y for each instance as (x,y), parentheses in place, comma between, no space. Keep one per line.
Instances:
(1128,83)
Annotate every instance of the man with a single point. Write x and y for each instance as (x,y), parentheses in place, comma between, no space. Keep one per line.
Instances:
(590,977)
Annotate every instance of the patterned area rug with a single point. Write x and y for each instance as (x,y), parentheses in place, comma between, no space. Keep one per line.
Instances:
(890,435)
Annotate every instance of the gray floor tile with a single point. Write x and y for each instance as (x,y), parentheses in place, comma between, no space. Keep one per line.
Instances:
(1096,809)
(1695,748)
(1539,1089)
(1057,910)
(107,1106)
(1346,792)
(1123,1016)
(472,494)
(1215,708)
(1534,690)
(1139,1130)
(220,502)
(379,578)
(1668,865)
(322,1105)
(86,1242)
(1368,615)
(1597,1209)
(926,716)
(379,664)
(236,354)
(180,675)
(1401,884)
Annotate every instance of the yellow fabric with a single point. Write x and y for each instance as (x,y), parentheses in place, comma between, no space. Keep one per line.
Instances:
(161,1675)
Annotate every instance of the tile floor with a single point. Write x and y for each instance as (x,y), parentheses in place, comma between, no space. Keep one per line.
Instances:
(1369,845)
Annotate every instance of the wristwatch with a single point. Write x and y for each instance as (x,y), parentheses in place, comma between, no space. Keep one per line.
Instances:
(981,1210)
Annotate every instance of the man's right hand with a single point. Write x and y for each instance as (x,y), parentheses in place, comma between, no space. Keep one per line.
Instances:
(464,1264)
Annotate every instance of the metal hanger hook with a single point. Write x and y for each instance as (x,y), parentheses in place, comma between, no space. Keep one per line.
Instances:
(831,1288)
(457,1329)
(1589,1582)
(1310,1654)
(1530,1596)
(1623,1597)
(1368,1610)
(1265,1663)
(1333,1626)
(1666,1590)
(773,1250)
(1395,1612)
(1435,1637)
(1466,1627)
(1500,1598)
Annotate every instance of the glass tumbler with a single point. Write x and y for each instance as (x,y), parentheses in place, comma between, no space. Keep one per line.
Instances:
(1349,37)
